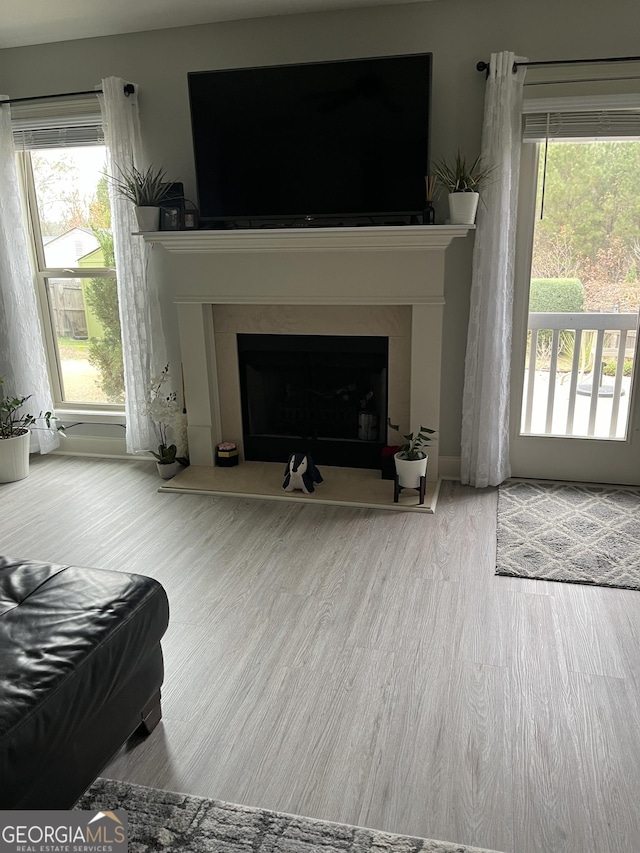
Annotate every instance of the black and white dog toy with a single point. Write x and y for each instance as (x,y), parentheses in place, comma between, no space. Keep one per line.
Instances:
(301,473)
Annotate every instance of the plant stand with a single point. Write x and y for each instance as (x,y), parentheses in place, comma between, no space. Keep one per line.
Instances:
(421,489)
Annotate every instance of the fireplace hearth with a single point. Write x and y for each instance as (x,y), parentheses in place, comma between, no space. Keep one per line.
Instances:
(321,394)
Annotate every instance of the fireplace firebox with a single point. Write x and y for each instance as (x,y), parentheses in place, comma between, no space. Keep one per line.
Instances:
(321,394)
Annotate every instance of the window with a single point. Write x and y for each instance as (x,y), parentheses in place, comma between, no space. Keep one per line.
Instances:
(63,159)
(585,275)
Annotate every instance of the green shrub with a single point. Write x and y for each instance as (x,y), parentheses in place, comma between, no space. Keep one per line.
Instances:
(105,353)
(611,364)
(557,295)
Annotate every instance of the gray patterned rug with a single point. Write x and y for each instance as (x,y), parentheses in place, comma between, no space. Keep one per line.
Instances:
(571,533)
(173,823)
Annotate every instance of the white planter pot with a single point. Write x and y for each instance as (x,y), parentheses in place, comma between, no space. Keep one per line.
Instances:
(14,457)
(463,207)
(168,470)
(148,218)
(409,471)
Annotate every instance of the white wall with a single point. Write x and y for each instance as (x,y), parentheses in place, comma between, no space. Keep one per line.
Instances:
(457,32)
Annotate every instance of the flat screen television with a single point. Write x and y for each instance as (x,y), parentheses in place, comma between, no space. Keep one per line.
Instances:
(289,144)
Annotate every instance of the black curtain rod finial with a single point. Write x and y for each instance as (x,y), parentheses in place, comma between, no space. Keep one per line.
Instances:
(484,66)
(129,89)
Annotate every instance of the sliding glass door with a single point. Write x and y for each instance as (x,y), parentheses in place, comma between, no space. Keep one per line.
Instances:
(574,402)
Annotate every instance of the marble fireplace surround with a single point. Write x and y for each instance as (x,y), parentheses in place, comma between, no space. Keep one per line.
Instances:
(351,281)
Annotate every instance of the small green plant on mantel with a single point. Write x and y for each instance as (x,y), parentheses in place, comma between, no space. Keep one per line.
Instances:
(462,176)
(146,188)
(412,449)
(13,422)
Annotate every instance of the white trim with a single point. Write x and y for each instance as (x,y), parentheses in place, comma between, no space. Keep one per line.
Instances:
(248,299)
(92,416)
(449,467)
(376,239)
(93,445)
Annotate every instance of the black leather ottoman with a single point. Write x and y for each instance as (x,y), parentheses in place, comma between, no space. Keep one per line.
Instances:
(80,670)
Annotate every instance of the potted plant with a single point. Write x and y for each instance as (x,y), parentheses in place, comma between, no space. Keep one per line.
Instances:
(170,422)
(15,435)
(147,189)
(168,462)
(463,179)
(411,460)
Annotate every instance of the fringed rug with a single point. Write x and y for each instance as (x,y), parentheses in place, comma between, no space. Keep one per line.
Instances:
(172,823)
(570,533)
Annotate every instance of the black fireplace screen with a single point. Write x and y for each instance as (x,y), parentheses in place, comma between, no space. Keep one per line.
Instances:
(319,393)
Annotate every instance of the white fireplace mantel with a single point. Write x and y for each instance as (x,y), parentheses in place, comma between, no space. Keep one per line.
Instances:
(368,266)
(372,239)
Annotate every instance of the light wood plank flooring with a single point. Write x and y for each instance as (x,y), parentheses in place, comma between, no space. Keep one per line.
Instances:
(363,666)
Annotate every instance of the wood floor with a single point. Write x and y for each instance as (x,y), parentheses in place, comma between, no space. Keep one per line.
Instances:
(363,666)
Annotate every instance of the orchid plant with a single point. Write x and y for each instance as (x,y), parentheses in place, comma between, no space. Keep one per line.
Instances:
(169,420)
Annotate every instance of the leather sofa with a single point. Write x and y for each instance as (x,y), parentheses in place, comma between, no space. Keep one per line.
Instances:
(80,670)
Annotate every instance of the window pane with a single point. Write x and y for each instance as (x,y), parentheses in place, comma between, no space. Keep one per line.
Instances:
(75,223)
(86,324)
(585,291)
(73,205)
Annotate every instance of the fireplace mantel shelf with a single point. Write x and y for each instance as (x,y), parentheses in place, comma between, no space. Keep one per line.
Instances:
(372,239)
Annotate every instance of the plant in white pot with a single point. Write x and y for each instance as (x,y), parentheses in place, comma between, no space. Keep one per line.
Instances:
(147,189)
(463,179)
(15,435)
(411,460)
(170,422)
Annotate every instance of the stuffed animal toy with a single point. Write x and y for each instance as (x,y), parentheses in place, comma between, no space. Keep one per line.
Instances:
(301,473)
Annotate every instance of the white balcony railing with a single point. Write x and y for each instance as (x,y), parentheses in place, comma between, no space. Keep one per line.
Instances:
(566,391)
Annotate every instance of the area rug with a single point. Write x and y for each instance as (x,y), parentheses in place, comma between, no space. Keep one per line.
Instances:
(173,823)
(570,533)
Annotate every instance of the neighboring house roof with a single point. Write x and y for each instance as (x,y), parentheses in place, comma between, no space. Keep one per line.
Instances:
(49,240)
(65,249)
(95,258)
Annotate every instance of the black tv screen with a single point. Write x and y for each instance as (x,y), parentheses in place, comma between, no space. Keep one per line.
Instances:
(324,139)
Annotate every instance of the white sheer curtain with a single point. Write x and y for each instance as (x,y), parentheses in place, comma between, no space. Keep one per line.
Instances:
(23,364)
(143,343)
(485,405)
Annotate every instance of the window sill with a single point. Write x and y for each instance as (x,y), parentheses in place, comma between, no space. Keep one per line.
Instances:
(91,416)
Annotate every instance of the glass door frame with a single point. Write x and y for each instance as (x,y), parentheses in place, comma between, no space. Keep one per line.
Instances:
(595,460)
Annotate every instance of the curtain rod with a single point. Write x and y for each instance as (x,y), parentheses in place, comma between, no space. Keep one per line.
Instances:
(129,89)
(484,66)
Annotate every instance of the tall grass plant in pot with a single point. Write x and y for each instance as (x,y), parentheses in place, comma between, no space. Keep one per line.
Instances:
(463,179)
(147,189)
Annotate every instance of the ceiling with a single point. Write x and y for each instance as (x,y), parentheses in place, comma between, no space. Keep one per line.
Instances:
(43,21)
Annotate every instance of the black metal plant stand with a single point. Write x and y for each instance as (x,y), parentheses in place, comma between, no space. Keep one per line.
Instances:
(397,488)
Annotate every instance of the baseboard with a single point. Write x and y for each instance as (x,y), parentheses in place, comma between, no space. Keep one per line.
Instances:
(93,445)
(449,467)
